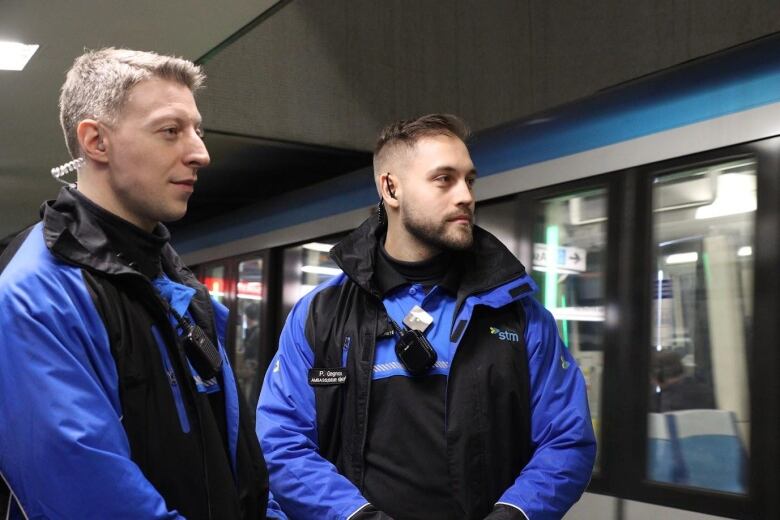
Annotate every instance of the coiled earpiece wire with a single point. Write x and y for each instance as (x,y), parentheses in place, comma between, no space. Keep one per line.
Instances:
(69,167)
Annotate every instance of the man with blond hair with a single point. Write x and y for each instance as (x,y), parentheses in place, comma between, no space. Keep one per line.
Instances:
(116,396)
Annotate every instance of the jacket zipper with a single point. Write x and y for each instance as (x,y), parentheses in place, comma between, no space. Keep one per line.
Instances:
(369,338)
(174,383)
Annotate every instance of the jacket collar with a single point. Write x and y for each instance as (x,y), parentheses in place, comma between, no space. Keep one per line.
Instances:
(388,276)
(76,233)
(79,232)
(486,265)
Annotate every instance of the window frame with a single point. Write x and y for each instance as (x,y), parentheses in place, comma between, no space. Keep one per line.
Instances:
(281,316)
(267,349)
(630,481)
(529,203)
(231,299)
(624,399)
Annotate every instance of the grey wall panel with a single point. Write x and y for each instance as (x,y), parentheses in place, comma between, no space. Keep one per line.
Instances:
(334,72)
(601,507)
(715,24)
(641,511)
(594,507)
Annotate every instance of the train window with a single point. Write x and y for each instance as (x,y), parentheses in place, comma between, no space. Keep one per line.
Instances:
(703,232)
(250,312)
(214,279)
(569,257)
(305,267)
(500,219)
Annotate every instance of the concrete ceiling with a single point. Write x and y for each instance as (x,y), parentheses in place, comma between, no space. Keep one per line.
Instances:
(31,141)
(297,89)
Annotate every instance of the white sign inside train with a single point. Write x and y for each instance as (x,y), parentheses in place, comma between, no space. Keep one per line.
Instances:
(563,258)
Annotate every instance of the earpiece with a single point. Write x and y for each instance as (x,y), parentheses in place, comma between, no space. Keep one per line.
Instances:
(101,146)
(390,188)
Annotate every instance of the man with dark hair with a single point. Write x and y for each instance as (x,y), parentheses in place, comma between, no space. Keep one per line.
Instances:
(116,397)
(673,389)
(425,382)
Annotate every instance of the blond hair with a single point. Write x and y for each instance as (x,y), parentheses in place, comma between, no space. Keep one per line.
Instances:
(97,84)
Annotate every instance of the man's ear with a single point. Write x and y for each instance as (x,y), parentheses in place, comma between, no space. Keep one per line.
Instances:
(388,188)
(91,140)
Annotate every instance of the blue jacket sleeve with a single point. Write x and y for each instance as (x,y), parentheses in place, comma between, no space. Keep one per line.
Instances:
(561,431)
(274,510)
(303,482)
(63,450)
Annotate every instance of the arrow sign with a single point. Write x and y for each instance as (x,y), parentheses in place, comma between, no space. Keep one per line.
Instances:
(564,258)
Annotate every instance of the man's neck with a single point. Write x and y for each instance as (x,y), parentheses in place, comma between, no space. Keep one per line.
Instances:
(402,245)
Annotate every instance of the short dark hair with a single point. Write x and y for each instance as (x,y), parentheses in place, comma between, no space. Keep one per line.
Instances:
(409,131)
(667,364)
(252,310)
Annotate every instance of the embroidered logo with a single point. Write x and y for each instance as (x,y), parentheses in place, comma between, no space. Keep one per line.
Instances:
(277,366)
(564,364)
(505,335)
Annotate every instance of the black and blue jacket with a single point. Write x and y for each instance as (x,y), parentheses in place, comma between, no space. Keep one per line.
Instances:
(517,426)
(101,414)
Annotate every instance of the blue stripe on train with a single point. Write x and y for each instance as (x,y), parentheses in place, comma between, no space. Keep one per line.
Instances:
(726,83)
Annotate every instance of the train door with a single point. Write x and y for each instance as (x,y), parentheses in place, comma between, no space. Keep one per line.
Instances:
(252,350)
(663,288)
(691,363)
(241,284)
(561,235)
(304,267)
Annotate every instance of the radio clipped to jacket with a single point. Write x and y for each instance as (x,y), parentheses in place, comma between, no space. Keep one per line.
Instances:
(199,349)
(413,349)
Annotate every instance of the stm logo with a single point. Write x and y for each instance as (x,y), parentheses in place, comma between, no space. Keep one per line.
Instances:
(506,335)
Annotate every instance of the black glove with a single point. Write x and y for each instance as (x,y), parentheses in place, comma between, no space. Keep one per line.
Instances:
(370,513)
(502,512)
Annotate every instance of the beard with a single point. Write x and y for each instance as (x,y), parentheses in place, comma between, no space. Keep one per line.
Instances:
(443,234)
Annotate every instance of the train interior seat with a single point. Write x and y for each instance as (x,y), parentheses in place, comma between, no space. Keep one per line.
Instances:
(660,452)
(710,449)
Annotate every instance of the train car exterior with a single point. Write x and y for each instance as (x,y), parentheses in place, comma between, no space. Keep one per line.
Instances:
(648,214)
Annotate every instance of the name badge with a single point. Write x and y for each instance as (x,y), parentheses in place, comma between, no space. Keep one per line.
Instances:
(327,376)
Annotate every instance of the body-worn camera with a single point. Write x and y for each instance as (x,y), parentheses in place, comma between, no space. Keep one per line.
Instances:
(414,351)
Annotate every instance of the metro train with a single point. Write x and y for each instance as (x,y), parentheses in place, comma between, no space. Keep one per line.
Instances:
(648,214)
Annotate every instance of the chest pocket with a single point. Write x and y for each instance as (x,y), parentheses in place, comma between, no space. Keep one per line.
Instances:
(495,341)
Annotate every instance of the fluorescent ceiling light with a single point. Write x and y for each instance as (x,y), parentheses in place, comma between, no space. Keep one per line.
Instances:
(318,246)
(578,313)
(745,251)
(736,193)
(318,269)
(682,258)
(14,56)
(249,297)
